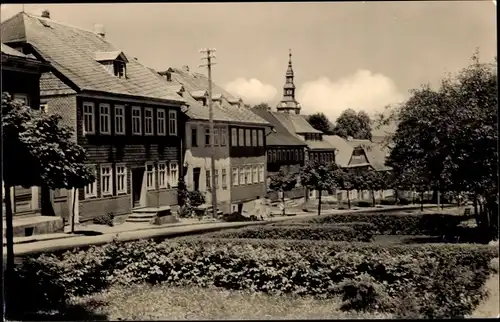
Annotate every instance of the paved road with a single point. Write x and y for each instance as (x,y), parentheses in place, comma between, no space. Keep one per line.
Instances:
(81,241)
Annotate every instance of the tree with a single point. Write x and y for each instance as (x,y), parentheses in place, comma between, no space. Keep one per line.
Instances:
(281,182)
(37,151)
(345,180)
(263,106)
(320,122)
(450,133)
(320,177)
(352,124)
(373,181)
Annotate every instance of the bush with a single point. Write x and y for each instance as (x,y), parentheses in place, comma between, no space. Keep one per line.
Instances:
(388,201)
(106,219)
(315,232)
(363,204)
(234,217)
(403,201)
(196,198)
(448,279)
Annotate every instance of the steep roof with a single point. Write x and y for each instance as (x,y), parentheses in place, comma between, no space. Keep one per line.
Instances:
(281,136)
(72,52)
(375,152)
(196,83)
(12,52)
(294,123)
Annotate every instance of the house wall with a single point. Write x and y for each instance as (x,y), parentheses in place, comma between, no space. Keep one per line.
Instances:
(24,200)
(247,193)
(134,151)
(198,155)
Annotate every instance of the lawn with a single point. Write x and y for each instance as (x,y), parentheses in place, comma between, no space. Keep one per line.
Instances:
(163,302)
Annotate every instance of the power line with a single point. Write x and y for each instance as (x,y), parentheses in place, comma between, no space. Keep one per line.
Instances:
(209,54)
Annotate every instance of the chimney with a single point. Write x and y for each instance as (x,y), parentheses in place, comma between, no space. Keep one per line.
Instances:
(46,14)
(99,30)
(185,68)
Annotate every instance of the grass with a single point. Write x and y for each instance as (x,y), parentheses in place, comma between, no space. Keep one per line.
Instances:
(162,302)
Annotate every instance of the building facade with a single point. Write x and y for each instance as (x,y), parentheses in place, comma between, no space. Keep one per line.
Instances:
(238,138)
(21,79)
(128,121)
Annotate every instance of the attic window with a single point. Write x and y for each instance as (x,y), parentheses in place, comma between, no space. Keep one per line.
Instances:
(119,68)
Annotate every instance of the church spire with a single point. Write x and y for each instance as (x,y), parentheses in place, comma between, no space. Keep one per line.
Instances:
(288,103)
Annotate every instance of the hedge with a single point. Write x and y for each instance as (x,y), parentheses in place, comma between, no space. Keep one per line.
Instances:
(309,232)
(358,226)
(410,280)
(398,223)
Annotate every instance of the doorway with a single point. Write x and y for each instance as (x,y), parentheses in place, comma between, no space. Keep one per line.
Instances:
(137,177)
(196,178)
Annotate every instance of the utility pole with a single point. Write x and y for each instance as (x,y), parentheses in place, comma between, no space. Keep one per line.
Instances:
(209,54)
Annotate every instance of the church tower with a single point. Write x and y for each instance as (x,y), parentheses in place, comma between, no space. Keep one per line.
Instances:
(288,103)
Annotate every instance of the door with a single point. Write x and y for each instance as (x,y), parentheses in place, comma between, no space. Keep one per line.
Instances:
(196,178)
(137,177)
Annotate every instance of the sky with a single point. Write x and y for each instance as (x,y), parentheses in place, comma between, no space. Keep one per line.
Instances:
(359,55)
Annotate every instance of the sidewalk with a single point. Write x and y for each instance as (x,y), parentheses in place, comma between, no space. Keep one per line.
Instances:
(103,234)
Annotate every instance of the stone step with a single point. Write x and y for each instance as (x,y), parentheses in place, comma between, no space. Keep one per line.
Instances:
(142,215)
(139,220)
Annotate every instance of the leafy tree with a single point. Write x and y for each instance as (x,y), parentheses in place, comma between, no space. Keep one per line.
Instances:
(320,177)
(345,180)
(263,106)
(37,151)
(374,182)
(450,134)
(281,182)
(355,125)
(320,122)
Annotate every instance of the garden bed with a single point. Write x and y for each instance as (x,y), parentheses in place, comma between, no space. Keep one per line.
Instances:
(405,280)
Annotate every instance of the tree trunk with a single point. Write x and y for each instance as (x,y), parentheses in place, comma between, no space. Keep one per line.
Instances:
(413,197)
(73,212)
(458,199)
(373,198)
(396,199)
(348,199)
(422,201)
(438,198)
(319,202)
(283,201)
(474,203)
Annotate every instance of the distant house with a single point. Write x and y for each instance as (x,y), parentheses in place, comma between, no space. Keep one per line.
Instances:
(127,119)
(285,152)
(240,140)
(21,79)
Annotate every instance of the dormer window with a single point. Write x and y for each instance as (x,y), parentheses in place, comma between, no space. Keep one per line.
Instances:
(114,61)
(119,68)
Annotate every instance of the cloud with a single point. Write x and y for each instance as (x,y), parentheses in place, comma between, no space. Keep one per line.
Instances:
(362,90)
(252,90)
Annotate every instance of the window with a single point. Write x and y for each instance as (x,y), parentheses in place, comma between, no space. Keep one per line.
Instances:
(216,179)
(224,179)
(274,155)
(234,137)
(235,177)
(150,176)
(119,119)
(254,137)
(255,174)
(279,155)
(241,175)
(223,136)
(248,139)
(248,173)
(91,189)
(104,119)
(216,136)
(174,174)
(121,178)
(241,137)
(88,118)
(44,107)
(261,173)
(207,179)
(194,136)
(161,122)
(136,121)
(296,155)
(119,68)
(148,121)
(23,98)
(207,136)
(172,122)
(269,156)
(162,175)
(260,138)
(106,180)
